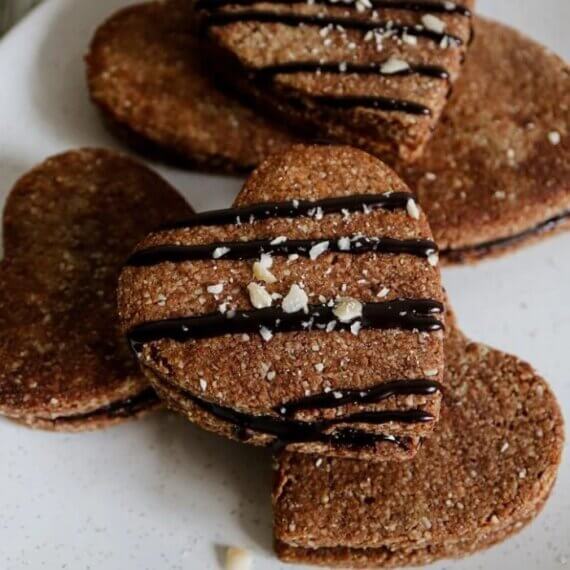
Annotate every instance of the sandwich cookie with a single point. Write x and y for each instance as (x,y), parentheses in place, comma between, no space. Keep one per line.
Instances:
(484,474)
(68,226)
(375,74)
(307,316)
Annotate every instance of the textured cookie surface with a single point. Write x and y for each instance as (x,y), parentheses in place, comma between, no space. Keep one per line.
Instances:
(68,226)
(145,73)
(370,73)
(497,170)
(312,319)
(483,475)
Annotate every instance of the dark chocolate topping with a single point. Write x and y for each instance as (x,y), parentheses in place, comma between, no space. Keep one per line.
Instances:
(295,208)
(336,398)
(405,5)
(288,19)
(500,243)
(241,250)
(409,314)
(374,68)
(372,102)
(291,431)
(120,409)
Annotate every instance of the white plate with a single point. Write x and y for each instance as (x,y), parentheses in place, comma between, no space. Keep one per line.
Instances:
(159,493)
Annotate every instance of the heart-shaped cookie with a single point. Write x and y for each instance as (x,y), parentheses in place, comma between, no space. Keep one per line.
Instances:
(371,73)
(495,175)
(308,315)
(146,75)
(485,473)
(68,226)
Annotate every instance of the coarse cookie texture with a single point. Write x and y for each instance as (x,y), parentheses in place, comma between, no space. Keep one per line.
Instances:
(375,74)
(309,315)
(484,474)
(68,226)
(146,73)
(496,173)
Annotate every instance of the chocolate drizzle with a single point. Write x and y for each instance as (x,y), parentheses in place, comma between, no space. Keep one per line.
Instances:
(373,68)
(120,409)
(290,19)
(295,209)
(408,314)
(336,398)
(405,5)
(242,250)
(483,248)
(287,431)
(372,102)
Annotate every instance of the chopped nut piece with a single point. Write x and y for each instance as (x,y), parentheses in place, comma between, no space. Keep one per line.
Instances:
(215,289)
(413,209)
(238,558)
(296,300)
(259,296)
(394,65)
(220,252)
(433,23)
(347,309)
(261,272)
(318,249)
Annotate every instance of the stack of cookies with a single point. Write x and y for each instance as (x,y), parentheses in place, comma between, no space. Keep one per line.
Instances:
(388,137)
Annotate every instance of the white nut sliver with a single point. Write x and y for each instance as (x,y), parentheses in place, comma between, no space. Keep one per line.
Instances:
(259,296)
(220,252)
(347,309)
(344,244)
(238,558)
(261,272)
(215,289)
(433,259)
(394,65)
(433,23)
(318,249)
(413,209)
(296,300)
(554,138)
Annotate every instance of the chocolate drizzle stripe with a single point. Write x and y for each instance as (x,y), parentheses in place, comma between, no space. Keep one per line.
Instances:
(374,68)
(243,250)
(337,398)
(119,409)
(407,314)
(373,102)
(405,5)
(295,208)
(544,227)
(288,431)
(288,19)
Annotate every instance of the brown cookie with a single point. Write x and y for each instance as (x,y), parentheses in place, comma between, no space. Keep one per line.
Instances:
(485,473)
(68,226)
(307,316)
(496,173)
(145,73)
(494,176)
(375,74)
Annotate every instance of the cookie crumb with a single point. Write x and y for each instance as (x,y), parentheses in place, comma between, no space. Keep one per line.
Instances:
(238,558)
(554,138)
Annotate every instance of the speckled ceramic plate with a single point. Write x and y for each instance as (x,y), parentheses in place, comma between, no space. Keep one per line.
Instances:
(159,493)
